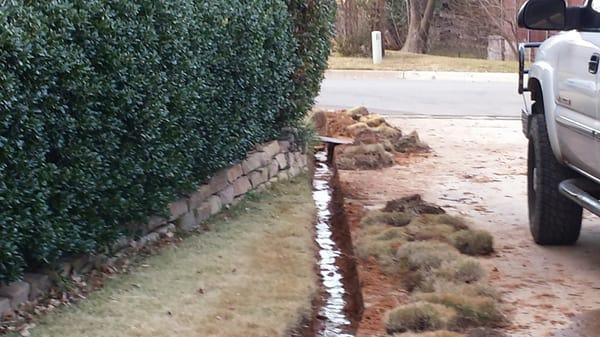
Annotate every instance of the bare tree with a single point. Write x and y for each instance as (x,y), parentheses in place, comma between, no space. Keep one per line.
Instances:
(500,15)
(396,12)
(420,17)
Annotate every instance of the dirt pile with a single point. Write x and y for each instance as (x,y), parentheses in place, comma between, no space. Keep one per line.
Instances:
(431,254)
(376,142)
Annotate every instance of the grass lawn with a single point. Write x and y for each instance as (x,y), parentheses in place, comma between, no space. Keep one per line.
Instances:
(395,60)
(252,274)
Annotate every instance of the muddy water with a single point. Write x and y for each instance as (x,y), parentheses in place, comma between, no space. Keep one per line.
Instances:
(340,306)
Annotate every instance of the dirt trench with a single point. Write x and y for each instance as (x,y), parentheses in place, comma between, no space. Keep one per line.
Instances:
(338,308)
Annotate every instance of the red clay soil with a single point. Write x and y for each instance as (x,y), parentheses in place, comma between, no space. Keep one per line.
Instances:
(381,292)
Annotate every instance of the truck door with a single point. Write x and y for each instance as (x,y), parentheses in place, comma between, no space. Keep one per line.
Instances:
(578,101)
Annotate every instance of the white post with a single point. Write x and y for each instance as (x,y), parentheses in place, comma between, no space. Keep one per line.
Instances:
(377,47)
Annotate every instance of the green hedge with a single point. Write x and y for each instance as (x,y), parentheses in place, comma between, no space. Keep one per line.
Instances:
(313,27)
(108,107)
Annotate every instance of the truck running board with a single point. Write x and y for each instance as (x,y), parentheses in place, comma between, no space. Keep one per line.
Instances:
(574,189)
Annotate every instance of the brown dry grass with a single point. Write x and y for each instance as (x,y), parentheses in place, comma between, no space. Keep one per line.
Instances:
(472,311)
(419,316)
(396,219)
(473,242)
(462,270)
(425,255)
(395,60)
(252,275)
(429,257)
(364,157)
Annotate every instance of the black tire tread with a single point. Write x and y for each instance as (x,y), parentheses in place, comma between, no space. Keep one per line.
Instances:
(555,219)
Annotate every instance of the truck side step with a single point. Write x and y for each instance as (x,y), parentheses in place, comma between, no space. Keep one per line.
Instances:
(575,189)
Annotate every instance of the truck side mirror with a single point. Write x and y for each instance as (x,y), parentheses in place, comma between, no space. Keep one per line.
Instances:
(543,15)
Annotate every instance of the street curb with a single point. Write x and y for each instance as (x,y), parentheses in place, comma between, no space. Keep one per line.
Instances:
(423,75)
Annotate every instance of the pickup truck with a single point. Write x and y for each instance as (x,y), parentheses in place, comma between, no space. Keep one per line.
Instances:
(561,117)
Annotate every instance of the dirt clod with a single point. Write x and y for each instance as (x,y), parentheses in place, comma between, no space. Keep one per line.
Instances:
(413,204)
(411,143)
(373,120)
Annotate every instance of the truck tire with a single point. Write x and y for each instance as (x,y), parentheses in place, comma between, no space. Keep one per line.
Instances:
(553,219)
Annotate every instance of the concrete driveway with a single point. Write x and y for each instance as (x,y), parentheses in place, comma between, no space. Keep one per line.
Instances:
(430,94)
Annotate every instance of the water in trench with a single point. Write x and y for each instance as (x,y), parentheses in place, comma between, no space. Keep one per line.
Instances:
(340,305)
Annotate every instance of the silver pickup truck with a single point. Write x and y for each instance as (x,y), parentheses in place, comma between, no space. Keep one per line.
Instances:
(561,118)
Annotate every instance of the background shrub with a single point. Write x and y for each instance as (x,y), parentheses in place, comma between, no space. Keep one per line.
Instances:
(108,108)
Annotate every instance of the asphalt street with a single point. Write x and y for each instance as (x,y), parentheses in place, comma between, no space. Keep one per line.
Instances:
(397,94)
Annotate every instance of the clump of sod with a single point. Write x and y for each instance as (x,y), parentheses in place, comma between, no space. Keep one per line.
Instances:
(425,255)
(381,242)
(456,222)
(419,316)
(364,157)
(381,250)
(462,270)
(427,248)
(373,120)
(439,333)
(357,113)
(375,140)
(413,204)
(471,311)
(397,219)
(380,236)
(410,143)
(420,231)
(473,242)
(477,289)
(418,261)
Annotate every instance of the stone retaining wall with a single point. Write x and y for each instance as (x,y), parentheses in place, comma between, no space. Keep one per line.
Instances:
(271,162)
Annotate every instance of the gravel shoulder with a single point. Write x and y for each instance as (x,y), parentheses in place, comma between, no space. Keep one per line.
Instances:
(477,168)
